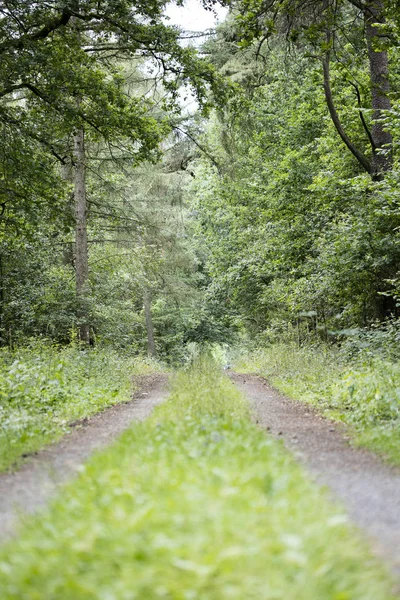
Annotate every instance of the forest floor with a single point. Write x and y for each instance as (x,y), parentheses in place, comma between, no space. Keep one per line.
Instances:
(26,490)
(368,488)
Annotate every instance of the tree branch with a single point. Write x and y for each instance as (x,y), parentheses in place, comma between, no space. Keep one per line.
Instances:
(362,6)
(44,32)
(11,121)
(335,117)
(358,4)
(366,128)
(199,146)
(42,96)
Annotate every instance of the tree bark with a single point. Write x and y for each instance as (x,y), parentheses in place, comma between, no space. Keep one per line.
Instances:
(67,174)
(151,347)
(380,88)
(2,304)
(81,240)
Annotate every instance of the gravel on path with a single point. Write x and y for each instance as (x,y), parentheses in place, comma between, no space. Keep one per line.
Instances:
(31,487)
(368,488)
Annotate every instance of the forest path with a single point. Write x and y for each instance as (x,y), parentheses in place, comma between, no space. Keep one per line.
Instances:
(368,488)
(28,489)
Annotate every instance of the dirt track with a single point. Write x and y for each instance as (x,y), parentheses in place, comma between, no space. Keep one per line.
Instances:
(31,487)
(369,489)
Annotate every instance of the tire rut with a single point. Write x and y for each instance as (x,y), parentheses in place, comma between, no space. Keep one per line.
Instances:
(30,488)
(368,488)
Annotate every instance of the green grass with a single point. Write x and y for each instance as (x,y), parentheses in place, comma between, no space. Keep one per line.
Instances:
(195,503)
(43,388)
(363,392)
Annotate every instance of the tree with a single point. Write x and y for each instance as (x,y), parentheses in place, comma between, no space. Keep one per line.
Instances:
(63,80)
(56,52)
(81,241)
(325,26)
(292,224)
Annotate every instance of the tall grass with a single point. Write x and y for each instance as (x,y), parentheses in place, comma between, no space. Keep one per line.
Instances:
(43,388)
(195,503)
(363,391)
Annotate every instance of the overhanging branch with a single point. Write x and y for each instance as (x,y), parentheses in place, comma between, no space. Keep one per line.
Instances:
(363,121)
(44,32)
(199,146)
(335,117)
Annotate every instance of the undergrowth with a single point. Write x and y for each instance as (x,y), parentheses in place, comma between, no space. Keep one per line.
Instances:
(194,503)
(362,390)
(43,388)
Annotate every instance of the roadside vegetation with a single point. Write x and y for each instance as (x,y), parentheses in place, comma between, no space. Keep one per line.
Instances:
(43,388)
(357,383)
(196,502)
(130,223)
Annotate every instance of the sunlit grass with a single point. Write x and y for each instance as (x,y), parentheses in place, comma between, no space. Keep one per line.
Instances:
(195,503)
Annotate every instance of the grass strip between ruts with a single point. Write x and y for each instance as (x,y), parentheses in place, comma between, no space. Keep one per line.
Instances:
(195,503)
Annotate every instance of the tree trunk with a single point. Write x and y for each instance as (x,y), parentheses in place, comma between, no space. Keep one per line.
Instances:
(67,174)
(2,305)
(151,347)
(81,242)
(380,88)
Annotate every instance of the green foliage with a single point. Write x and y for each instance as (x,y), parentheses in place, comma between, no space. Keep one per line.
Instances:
(380,340)
(38,290)
(114,70)
(44,388)
(194,503)
(370,393)
(290,222)
(363,391)
(139,242)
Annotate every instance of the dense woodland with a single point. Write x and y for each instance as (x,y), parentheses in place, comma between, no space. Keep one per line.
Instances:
(126,220)
(265,213)
(303,201)
(93,221)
